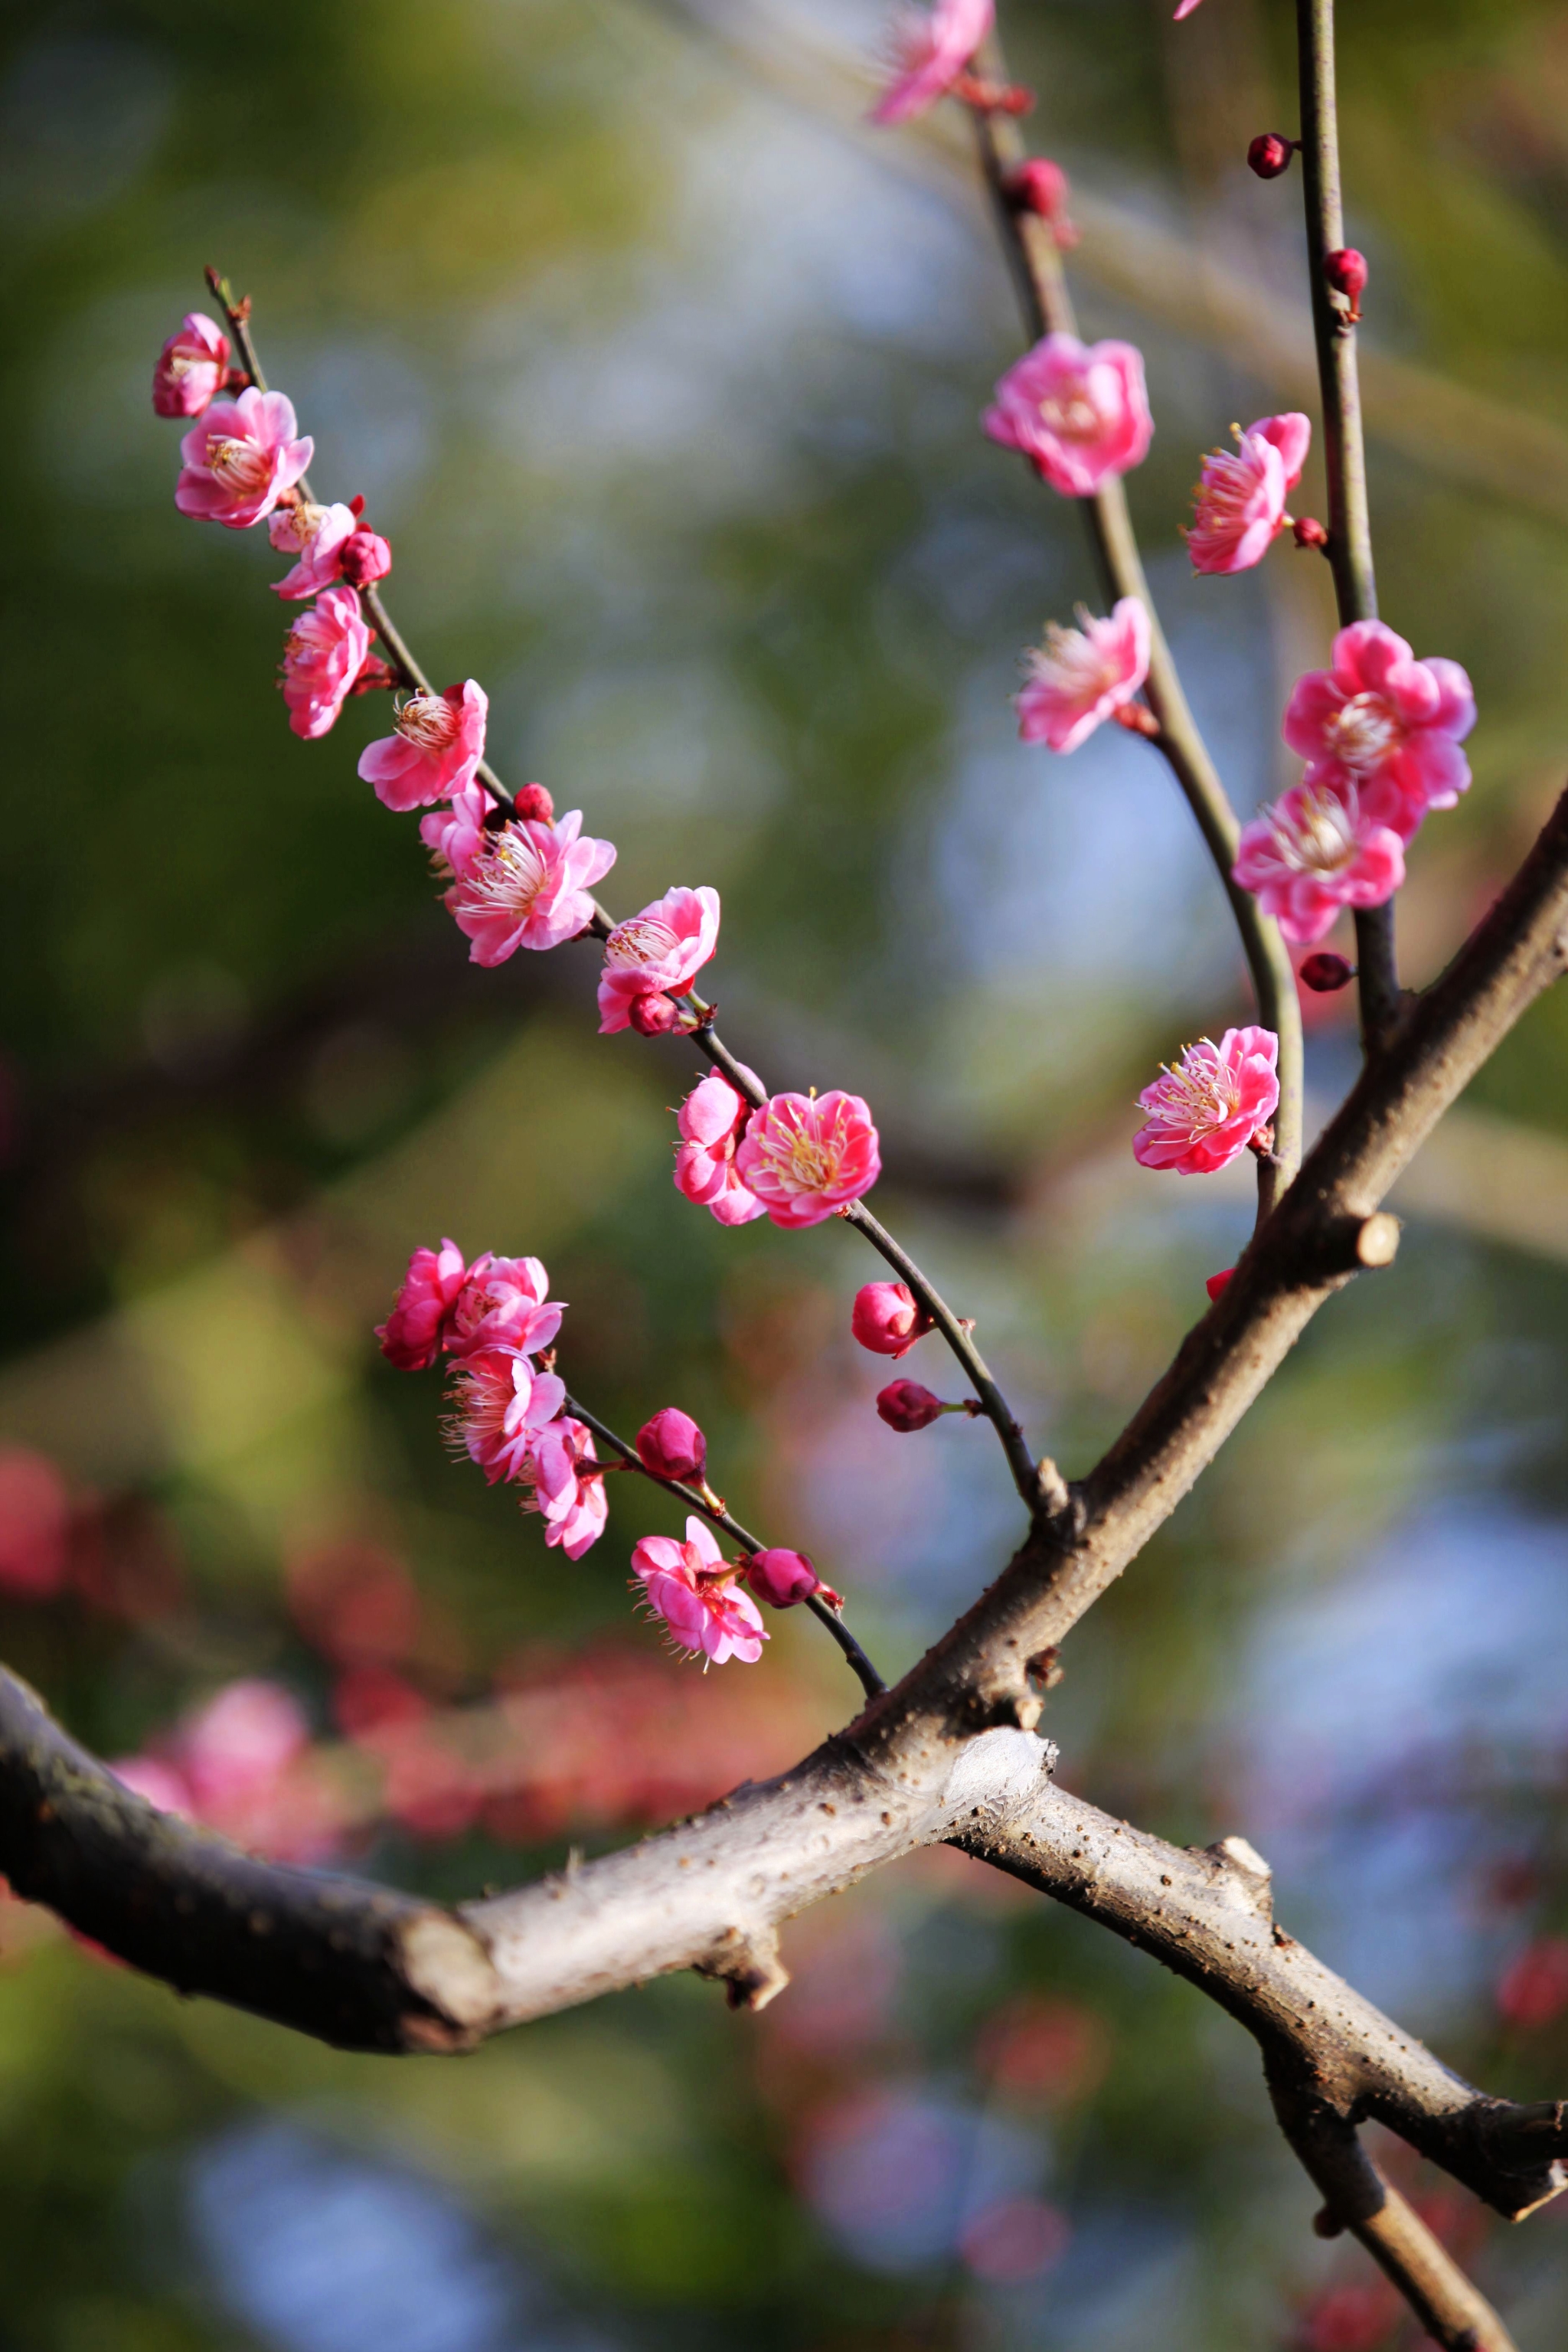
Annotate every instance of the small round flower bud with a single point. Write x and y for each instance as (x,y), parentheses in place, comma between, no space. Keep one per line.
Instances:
(1217,1282)
(904,1405)
(366,557)
(886,1318)
(1346,272)
(1323,972)
(654,1016)
(1308,531)
(1270,154)
(1039,186)
(671,1445)
(534,802)
(783,1577)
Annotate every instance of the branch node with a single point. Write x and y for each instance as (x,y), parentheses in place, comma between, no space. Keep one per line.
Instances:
(1247,1874)
(746,1961)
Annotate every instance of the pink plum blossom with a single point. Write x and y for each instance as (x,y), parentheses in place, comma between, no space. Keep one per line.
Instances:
(528,885)
(316,536)
(671,1445)
(1080,410)
(499,1406)
(455,836)
(1204,1113)
(805,1156)
(1386,723)
(1315,851)
(1081,676)
(192,367)
(323,654)
(711,1121)
(656,953)
(886,1318)
(931,47)
(784,1579)
(692,1587)
(438,743)
(1184,9)
(242,1740)
(571,1496)
(502,1303)
(240,459)
(1240,500)
(159,1783)
(415,1331)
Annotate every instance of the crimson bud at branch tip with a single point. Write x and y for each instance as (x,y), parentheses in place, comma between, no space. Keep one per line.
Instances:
(671,1445)
(1346,272)
(906,1406)
(887,1319)
(534,802)
(1269,155)
(783,1577)
(366,558)
(1324,973)
(1308,531)
(654,1015)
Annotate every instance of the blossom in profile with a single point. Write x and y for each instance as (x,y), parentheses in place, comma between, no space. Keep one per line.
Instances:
(1385,722)
(503,1303)
(323,654)
(784,1579)
(315,536)
(415,1331)
(1080,411)
(192,367)
(805,1156)
(693,1588)
(671,1445)
(1080,677)
(656,953)
(1204,1113)
(241,457)
(527,884)
(931,47)
(499,1406)
(1314,851)
(567,1490)
(438,742)
(710,1121)
(888,1319)
(456,835)
(1239,503)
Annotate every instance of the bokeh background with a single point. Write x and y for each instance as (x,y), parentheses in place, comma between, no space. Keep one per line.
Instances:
(662,371)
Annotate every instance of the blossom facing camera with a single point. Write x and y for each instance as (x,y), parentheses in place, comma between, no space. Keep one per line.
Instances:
(888,1319)
(1204,1113)
(906,1406)
(192,369)
(528,885)
(316,536)
(438,743)
(240,459)
(502,1303)
(930,49)
(1269,155)
(1080,410)
(1388,724)
(1313,852)
(413,1333)
(693,1588)
(671,1445)
(711,1121)
(1081,677)
(323,654)
(366,558)
(805,1156)
(784,1579)
(656,953)
(1239,503)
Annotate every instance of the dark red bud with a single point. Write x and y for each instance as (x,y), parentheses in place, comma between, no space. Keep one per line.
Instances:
(1217,1282)
(1270,154)
(1346,273)
(356,505)
(535,802)
(1308,531)
(1039,186)
(671,1445)
(364,558)
(784,1578)
(904,1405)
(1323,972)
(654,1016)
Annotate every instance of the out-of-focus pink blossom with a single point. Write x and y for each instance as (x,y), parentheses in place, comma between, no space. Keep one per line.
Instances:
(527,886)
(502,1305)
(1388,724)
(415,1332)
(191,367)
(1040,186)
(1324,975)
(322,656)
(438,743)
(1080,410)
(366,558)
(671,1445)
(1240,500)
(886,1318)
(566,1489)
(1217,1284)
(658,952)
(534,801)
(692,1587)
(240,459)
(355,1603)
(1184,8)
(784,1579)
(1016,2239)
(1081,676)
(1204,1112)
(159,1783)
(1313,852)
(315,536)
(35,1525)
(500,1405)
(711,1121)
(1351,2319)
(906,1406)
(239,1743)
(1534,1988)
(805,1156)
(930,49)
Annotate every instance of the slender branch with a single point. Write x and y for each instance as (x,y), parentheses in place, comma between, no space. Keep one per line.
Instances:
(1345,447)
(1036,266)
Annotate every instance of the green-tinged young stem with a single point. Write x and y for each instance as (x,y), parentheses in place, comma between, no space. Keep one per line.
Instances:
(1345,447)
(871,1682)
(1047,303)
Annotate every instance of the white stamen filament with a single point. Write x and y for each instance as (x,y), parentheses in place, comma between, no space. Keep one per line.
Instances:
(428,721)
(238,465)
(1364,732)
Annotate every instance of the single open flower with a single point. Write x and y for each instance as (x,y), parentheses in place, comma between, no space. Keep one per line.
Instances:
(316,536)
(567,1490)
(322,656)
(930,49)
(503,1303)
(415,1331)
(805,1156)
(240,459)
(438,743)
(1315,851)
(887,1319)
(693,1588)
(530,885)
(1080,410)
(500,1406)
(656,953)
(1388,724)
(1081,676)
(1239,504)
(711,1121)
(1204,1113)
(192,367)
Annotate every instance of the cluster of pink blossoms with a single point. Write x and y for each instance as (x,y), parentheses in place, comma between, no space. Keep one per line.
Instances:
(797,1158)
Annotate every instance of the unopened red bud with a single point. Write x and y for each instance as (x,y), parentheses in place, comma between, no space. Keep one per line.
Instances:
(1323,972)
(1270,154)
(356,505)
(905,1405)
(887,1319)
(364,557)
(1308,531)
(671,1445)
(654,1016)
(534,802)
(1345,271)
(784,1579)
(1039,186)
(993,96)
(1217,1282)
